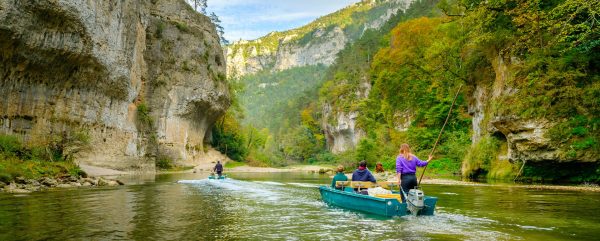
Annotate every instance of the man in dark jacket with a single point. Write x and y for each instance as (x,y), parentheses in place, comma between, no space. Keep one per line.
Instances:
(218,168)
(362,173)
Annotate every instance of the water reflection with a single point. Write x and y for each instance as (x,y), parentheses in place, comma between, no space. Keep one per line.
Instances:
(287,206)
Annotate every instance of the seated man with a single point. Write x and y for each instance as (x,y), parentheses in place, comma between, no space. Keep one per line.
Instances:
(362,174)
(340,176)
(218,168)
(379,168)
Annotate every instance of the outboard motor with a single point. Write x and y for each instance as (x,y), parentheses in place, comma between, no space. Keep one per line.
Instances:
(415,201)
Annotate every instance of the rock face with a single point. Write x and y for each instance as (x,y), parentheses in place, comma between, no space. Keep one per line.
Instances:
(143,78)
(315,52)
(320,45)
(341,127)
(293,48)
(526,139)
(343,134)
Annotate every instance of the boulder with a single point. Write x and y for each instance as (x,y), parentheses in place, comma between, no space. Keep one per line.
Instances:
(32,182)
(49,182)
(33,188)
(63,185)
(20,180)
(87,179)
(102,182)
(18,190)
(86,184)
(72,179)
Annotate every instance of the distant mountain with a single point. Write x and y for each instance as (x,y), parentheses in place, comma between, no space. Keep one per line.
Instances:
(315,43)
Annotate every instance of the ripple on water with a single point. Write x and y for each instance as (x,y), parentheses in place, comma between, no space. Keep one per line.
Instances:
(258,192)
(289,209)
(233,209)
(529,227)
(465,227)
(303,184)
(270,183)
(449,193)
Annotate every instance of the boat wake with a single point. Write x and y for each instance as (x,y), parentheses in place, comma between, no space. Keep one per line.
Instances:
(303,184)
(280,204)
(233,187)
(458,225)
(270,183)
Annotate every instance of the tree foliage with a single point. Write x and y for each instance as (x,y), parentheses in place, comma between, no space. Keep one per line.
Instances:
(542,57)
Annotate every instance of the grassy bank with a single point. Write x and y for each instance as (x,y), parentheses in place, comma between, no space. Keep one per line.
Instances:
(234,164)
(52,157)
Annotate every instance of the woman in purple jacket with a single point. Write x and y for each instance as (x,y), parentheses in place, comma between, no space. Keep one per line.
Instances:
(406,167)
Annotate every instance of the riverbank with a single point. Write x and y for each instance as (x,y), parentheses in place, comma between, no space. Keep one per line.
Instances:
(295,168)
(389,176)
(93,177)
(23,185)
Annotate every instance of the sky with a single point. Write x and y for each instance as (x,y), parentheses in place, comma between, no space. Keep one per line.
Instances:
(251,19)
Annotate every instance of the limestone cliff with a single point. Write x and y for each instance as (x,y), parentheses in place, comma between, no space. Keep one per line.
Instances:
(525,139)
(316,43)
(340,126)
(143,78)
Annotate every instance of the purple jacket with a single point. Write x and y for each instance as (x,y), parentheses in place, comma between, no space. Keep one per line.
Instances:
(404,166)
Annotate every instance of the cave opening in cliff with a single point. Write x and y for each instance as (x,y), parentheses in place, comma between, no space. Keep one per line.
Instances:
(503,145)
(499,136)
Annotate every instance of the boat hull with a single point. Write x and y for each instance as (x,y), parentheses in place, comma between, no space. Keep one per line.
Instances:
(388,207)
(217,177)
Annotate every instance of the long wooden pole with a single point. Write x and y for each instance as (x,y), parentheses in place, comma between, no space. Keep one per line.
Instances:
(441,131)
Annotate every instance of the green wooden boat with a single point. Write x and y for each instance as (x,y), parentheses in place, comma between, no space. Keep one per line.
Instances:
(383,206)
(217,177)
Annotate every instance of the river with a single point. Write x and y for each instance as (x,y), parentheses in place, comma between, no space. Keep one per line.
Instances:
(287,206)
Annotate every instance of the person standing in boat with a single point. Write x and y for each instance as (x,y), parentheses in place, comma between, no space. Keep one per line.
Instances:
(406,167)
(339,176)
(218,168)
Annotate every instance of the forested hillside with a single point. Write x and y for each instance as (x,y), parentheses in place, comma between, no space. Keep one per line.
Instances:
(279,118)
(270,99)
(528,107)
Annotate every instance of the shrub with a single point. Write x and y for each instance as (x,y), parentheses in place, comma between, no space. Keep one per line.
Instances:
(53,159)
(144,118)
(229,143)
(367,150)
(164,163)
(64,146)
(182,27)
(10,145)
(5,178)
(159,30)
(479,159)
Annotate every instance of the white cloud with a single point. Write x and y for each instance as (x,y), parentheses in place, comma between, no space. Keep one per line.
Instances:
(235,35)
(249,19)
(286,17)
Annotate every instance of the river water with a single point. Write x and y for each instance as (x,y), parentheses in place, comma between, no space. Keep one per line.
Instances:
(287,206)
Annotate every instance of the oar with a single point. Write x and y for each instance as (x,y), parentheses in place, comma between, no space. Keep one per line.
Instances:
(441,131)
